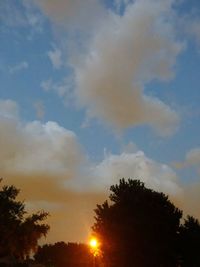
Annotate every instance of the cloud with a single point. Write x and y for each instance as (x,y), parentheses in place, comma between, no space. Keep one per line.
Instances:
(156,175)
(9,109)
(193,29)
(191,190)
(55,57)
(47,85)
(46,149)
(21,14)
(41,159)
(126,54)
(193,156)
(76,14)
(19,67)
(192,160)
(63,88)
(36,148)
(72,220)
(192,199)
(49,165)
(71,212)
(121,4)
(17,18)
(40,109)
(189,26)
(116,59)
(137,165)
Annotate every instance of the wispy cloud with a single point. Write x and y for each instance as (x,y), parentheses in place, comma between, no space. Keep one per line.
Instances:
(19,67)
(192,160)
(192,27)
(56,58)
(193,157)
(64,88)
(16,19)
(9,109)
(21,14)
(40,109)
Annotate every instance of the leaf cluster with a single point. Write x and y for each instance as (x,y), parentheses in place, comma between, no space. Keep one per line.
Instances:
(19,231)
(141,227)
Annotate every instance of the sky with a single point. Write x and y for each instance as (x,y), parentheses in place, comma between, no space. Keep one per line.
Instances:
(95,90)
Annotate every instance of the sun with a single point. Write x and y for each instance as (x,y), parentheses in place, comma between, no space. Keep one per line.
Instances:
(93,243)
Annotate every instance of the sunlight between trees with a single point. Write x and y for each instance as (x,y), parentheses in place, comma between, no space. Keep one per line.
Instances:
(137,227)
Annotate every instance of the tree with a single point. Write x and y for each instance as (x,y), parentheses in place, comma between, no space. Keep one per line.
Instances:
(190,242)
(19,233)
(139,227)
(61,254)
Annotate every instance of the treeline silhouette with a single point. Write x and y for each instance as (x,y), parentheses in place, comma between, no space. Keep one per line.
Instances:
(136,227)
(61,254)
(139,227)
(19,232)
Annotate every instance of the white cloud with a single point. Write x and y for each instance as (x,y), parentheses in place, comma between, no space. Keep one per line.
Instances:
(37,148)
(19,67)
(137,165)
(126,54)
(55,57)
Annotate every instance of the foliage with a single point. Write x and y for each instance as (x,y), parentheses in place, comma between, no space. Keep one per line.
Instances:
(19,233)
(190,242)
(140,227)
(61,254)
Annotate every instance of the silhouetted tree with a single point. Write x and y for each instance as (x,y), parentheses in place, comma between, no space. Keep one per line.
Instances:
(138,228)
(19,234)
(61,254)
(190,242)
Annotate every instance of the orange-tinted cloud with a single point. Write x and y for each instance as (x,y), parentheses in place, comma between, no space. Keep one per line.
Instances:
(50,167)
(127,53)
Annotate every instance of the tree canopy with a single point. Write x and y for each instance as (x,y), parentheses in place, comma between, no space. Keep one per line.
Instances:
(190,242)
(61,254)
(141,227)
(19,232)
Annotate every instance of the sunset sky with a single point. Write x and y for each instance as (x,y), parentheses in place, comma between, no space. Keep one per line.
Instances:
(95,90)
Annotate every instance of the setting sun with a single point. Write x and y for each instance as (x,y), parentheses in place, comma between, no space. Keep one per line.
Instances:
(93,243)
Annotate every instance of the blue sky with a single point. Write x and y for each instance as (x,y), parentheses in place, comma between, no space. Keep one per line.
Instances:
(92,91)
